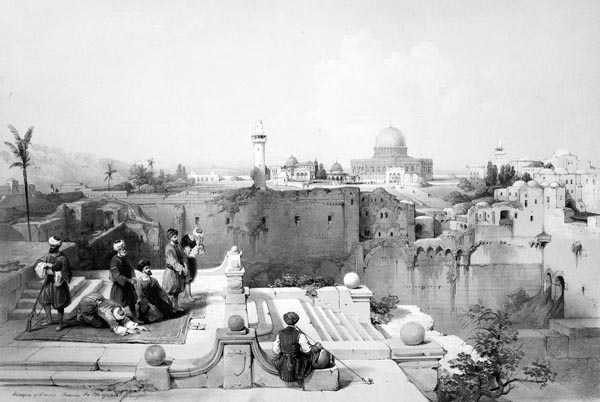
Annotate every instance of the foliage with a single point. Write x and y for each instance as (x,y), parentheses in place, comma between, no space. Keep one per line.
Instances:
(321,173)
(109,172)
(526,177)
(507,174)
(456,197)
(494,370)
(123,186)
(548,165)
(380,310)
(465,185)
(491,177)
(20,150)
(309,283)
(516,300)
(230,201)
(140,175)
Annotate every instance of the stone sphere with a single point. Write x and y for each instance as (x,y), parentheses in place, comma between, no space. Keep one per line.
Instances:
(155,355)
(235,323)
(412,333)
(351,280)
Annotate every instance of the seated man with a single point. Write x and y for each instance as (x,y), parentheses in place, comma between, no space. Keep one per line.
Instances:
(97,311)
(295,357)
(153,303)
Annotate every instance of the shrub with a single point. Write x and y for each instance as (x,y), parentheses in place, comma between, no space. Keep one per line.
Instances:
(380,310)
(310,284)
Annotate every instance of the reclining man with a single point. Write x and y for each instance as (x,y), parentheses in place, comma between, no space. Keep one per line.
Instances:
(97,311)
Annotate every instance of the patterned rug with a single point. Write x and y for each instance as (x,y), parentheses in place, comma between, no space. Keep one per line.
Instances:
(172,331)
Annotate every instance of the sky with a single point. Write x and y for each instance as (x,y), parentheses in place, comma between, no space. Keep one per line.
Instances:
(186,81)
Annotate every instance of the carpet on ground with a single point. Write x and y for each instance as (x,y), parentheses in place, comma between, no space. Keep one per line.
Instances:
(172,331)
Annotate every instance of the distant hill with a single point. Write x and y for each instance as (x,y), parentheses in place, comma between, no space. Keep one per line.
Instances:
(56,166)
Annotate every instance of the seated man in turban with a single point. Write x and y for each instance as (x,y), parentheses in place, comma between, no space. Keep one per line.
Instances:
(97,311)
(295,357)
(153,303)
(55,270)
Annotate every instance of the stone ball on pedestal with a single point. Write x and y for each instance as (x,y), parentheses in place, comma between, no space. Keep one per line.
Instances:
(412,333)
(155,355)
(235,323)
(351,280)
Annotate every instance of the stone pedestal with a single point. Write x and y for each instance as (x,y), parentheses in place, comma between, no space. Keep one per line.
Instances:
(235,294)
(237,361)
(361,298)
(158,376)
(322,380)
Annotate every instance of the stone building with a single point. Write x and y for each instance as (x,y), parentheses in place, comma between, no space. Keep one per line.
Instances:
(390,152)
(336,175)
(382,215)
(295,171)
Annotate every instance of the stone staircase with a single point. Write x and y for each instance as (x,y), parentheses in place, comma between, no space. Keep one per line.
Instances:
(79,287)
(320,324)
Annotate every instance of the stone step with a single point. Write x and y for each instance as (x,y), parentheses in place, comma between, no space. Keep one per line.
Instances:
(265,325)
(577,327)
(305,323)
(92,285)
(30,295)
(329,326)
(345,335)
(378,336)
(366,336)
(316,321)
(32,292)
(64,378)
(276,317)
(349,327)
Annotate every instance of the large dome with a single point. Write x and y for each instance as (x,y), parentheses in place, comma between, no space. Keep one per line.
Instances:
(390,137)
(291,161)
(336,168)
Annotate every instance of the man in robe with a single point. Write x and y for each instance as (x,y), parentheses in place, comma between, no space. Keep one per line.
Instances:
(295,358)
(153,303)
(55,270)
(177,268)
(193,245)
(97,311)
(123,277)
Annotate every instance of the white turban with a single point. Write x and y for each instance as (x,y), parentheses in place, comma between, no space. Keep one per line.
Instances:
(197,232)
(118,313)
(119,245)
(55,241)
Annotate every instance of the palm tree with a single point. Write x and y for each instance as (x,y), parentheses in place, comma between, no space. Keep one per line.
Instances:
(109,174)
(151,163)
(20,150)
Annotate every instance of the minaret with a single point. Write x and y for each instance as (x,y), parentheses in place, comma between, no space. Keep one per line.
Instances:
(499,153)
(259,139)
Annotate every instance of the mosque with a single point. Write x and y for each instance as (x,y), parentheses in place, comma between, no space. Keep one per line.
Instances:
(391,163)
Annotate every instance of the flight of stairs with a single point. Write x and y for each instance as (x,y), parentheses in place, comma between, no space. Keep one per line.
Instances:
(318,323)
(79,288)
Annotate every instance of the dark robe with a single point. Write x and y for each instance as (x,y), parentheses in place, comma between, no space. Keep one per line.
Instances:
(153,302)
(122,292)
(177,268)
(96,311)
(292,363)
(56,291)
(188,243)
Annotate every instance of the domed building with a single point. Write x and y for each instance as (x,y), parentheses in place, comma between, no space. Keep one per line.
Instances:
(336,174)
(294,170)
(390,162)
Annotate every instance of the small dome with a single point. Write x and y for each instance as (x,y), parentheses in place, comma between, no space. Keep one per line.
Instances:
(562,152)
(282,175)
(544,184)
(533,183)
(519,184)
(546,171)
(554,184)
(482,204)
(336,168)
(291,161)
(390,137)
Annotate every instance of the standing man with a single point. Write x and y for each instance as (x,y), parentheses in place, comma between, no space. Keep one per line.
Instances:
(56,272)
(123,277)
(177,268)
(193,245)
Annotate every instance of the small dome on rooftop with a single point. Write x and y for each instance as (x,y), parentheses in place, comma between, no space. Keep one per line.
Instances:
(336,168)
(291,161)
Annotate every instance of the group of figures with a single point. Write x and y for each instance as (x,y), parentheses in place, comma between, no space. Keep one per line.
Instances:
(142,295)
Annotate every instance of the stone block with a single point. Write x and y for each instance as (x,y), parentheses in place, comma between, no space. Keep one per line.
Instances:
(322,380)
(197,381)
(583,347)
(358,350)
(534,345)
(237,361)
(577,327)
(262,378)
(235,298)
(158,376)
(557,344)
(216,376)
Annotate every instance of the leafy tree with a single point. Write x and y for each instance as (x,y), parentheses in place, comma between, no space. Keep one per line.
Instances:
(151,163)
(109,172)
(20,150)
(491,177)
(178,171)
(548,165)
(183,173)
(526,177)
(321,173)
(465,185)
(507,175)
(161,177)
(124,186)
(140,175)
(455,197)
(494,371)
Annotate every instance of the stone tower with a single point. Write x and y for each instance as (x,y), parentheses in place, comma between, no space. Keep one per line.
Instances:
(259,139)
(499,153)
